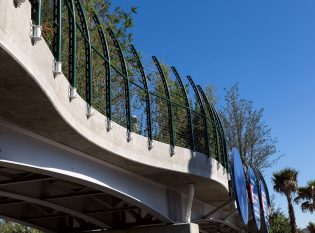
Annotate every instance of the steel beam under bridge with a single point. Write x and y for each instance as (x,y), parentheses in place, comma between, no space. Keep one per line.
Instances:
(27,160)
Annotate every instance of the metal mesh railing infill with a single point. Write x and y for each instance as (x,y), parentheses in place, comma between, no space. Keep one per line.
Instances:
(142,94)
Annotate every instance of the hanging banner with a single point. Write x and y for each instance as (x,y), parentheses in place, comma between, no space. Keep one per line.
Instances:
(253,190)
(264,206)
(239,185)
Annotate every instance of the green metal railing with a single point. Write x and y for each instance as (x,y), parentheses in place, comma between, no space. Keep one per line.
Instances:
(188,108)
(203,130)
(205,122)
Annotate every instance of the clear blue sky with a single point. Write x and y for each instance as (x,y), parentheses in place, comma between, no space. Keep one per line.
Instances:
(267,46)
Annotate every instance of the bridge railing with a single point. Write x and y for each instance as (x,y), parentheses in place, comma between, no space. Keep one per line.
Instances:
(113,80)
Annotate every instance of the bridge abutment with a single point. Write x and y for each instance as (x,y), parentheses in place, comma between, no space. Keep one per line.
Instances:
(176,228)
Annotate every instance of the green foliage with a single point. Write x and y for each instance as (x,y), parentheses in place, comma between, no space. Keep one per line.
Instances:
(285,182)
(119,20)
(311,227)
(10,227)
(246,130)
(210,92)
(306,197)
(279,222)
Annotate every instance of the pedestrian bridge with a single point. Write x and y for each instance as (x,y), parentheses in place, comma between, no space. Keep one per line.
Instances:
(92,139)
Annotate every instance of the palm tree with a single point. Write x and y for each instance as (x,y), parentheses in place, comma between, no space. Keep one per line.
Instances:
(285,182)
(306,197)
(311,227)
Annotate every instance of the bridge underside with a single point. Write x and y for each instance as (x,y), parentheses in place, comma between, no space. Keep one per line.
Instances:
(56,205)
(216,226)
(56,190)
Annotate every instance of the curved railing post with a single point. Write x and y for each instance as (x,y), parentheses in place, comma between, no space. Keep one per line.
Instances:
(72,74)
(169,105)
(36,27)
(126,83)
(223,143)
(218,123)
(88,58)
(227,165)
(57,66)
(147,94)
(215,123)
(184,92)
(38,15)
(203,113)
(108,83)
(59,30)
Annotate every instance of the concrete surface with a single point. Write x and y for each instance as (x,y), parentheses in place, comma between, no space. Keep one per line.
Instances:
(33,99)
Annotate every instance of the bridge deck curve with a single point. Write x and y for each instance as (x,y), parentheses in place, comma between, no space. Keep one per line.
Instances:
(32,98)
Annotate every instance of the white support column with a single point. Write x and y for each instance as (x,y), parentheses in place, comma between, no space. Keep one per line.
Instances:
(189,203)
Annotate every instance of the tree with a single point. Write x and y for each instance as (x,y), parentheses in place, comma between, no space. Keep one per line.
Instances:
(311,227)
(306,197)
(120,21)
(279,222)
(285,182)
(210,92)
(10,227)
(245,129)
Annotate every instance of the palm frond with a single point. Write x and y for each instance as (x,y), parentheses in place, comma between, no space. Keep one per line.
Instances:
(285,181)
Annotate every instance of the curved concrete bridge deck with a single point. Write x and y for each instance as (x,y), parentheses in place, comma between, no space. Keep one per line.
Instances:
(51,151)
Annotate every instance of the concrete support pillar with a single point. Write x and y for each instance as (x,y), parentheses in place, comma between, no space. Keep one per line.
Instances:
(177,228)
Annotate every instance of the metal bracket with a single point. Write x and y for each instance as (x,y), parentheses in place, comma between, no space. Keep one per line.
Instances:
(89,111)
(129,137)
(109,125)
(150,144)
(35,33)
(57,67)
(172,150)
(72,93)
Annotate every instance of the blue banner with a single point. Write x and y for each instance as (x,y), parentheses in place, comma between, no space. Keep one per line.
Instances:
(254,197)
(264,206)
(239,185)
